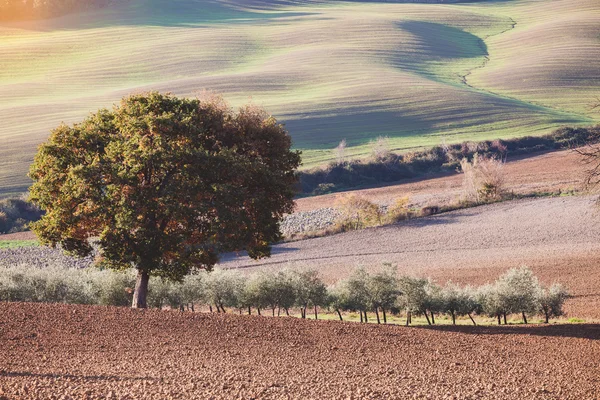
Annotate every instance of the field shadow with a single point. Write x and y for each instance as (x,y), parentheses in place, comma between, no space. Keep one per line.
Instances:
(9,374)
(579,331)
(228,257)
(439,41)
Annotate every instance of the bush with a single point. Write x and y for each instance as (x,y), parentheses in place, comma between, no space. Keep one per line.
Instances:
(483,178)
(115,288)
(398,211)
(358,212)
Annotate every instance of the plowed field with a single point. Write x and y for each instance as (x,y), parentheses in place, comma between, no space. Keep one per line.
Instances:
(83,352)
(559,238)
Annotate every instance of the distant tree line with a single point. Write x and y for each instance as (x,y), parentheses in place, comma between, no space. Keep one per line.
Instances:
(15,215)
(382,293)
(386,167)
(13,10)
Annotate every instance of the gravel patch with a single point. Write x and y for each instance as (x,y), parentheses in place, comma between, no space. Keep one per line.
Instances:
(309,221)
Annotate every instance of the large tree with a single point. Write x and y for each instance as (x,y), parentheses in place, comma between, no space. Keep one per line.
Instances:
(166,184)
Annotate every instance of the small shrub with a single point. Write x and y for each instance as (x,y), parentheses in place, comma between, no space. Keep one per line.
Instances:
(483,178)
(398,211)
(358,212)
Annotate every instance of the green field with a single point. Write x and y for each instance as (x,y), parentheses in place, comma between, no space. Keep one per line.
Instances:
(418,73)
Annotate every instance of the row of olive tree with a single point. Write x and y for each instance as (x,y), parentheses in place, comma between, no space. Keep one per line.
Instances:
(518,291)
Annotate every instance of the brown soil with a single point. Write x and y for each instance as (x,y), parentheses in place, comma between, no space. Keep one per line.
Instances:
(561,170)
(559,238)
(84,352)
(18,236)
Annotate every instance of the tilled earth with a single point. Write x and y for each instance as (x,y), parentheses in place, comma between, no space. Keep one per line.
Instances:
(87,352)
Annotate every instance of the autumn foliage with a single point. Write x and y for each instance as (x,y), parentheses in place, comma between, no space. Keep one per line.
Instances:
(166,184)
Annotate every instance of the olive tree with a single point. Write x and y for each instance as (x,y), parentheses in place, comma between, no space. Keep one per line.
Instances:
(518,290)
(338,298)
(551,301)
(222,289)
(358,293)
(458,301)
(166,184)
(490,302)
(275,290)
(383,290)
(414,299)
(310,289)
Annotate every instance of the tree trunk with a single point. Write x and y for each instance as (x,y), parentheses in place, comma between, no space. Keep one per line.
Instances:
(287,312)
(223,309)
(316,316)
(366,318)
(504,318)
(181,308)
(427,318)
(258,309)
(273,309)
(302,313)
(361,316)
(407,318)
(546,314)
(278,311)
(141,290)
(249,310)
(377,315)
(472,320)
(218,308)
(524,318)
(384,316)
(193,307)
(339,314)
(498,315)
(432,318)
(453,318)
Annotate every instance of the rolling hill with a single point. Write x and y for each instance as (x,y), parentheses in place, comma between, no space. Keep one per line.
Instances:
(418,73)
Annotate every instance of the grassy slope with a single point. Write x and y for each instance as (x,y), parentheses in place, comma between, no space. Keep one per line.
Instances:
(419,73)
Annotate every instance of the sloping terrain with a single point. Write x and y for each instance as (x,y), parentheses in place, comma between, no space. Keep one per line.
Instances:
(417,73)
(58,351)
(559,238)
(545,173)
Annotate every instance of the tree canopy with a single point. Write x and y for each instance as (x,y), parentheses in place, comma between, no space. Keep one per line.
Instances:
(166,184)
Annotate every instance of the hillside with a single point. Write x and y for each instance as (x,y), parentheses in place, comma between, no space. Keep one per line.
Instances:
(418,73)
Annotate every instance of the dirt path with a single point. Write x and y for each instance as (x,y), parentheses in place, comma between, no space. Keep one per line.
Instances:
(558,237)
(83,352)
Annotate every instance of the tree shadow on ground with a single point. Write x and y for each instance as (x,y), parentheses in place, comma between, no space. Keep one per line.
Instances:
(579,331)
